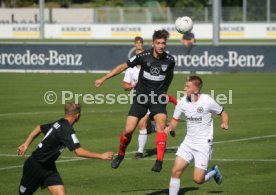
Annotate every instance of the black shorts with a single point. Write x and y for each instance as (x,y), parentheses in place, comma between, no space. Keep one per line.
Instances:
(140,109)
(35,175)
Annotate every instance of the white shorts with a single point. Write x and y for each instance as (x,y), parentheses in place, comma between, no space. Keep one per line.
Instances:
(201,154)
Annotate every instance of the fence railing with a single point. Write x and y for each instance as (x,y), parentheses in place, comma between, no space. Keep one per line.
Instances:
(135,15)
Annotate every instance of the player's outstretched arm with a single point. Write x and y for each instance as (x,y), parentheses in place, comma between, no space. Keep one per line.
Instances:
(224,120)
(23,147)
(117,70)
(88,154)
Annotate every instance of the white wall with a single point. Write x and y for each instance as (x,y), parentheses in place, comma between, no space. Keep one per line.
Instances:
(59,15)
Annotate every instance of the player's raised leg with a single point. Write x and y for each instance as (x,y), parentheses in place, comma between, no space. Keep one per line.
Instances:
(201,176)
(179,166)
(161,140)
(125,139)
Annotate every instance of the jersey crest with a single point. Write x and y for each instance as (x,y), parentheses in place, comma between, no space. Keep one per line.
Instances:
(164,67)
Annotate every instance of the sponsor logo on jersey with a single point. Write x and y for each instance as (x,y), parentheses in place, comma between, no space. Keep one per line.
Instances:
(148,76)
(194,119)
(164,67)
(200,110)
(155,71)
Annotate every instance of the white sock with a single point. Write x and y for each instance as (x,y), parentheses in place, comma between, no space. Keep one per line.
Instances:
(174,186)
(142,140)
(209,174)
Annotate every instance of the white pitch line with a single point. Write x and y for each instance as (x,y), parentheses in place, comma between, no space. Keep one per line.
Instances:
(70,159)
(16,155)
(245,139)
(59,161)
(153,159)
(217,159)
(105,111)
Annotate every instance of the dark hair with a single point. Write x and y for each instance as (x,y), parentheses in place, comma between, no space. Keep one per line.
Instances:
(188,36)
(196,80)
(138,38)
(160,34)
(72,108)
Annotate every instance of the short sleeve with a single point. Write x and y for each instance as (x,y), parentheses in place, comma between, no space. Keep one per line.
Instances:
(214,107)
(46,127)
(69,139)
(177,111)
(133,61)
(127,77)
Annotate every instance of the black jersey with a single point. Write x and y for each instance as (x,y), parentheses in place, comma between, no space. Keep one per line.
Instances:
(155,74)
(58,135)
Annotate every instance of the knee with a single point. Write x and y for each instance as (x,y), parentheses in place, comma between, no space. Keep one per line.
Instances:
(176,173)
(142,125)
(198,180)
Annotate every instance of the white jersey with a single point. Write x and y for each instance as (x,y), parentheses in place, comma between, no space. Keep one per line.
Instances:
(131,76)
(198,118)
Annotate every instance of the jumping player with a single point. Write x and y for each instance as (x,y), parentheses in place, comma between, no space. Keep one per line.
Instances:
(154,80)
(197,145)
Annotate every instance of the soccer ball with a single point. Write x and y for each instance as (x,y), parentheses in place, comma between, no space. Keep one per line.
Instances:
(183,24)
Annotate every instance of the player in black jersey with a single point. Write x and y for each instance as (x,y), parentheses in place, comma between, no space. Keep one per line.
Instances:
(39,169)
(154,80)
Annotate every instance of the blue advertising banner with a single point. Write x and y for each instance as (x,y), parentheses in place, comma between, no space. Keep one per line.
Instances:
(104,57)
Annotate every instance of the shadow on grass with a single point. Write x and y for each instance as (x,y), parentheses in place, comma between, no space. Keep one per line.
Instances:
(164,191)
(215,192)
(151,152)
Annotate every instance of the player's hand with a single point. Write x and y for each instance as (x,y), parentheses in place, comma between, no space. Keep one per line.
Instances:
(224,126)
(107,155)
(169,130)
(99,82)
(22,149)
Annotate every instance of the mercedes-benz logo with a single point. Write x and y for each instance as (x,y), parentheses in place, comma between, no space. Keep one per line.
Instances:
(155,71)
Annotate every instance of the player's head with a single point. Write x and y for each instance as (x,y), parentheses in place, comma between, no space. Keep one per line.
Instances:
(73,110)
(188,39)
(193,85)
(188,36)
(138,43)
(159,40)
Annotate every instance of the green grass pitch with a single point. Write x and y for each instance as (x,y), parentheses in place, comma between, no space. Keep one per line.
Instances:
(245,153)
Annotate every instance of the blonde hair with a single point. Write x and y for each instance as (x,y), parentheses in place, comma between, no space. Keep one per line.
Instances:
(196,80)
(71,108)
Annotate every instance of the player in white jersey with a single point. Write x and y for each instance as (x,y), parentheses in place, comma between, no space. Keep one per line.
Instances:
(197,145)
(129,82)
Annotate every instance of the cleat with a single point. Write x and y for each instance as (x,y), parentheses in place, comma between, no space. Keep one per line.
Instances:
(218,176)
(117,161)
(172,133)
(157,166)
(138,155)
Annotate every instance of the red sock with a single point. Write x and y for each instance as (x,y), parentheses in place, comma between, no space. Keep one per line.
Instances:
(161,139)
(124,141)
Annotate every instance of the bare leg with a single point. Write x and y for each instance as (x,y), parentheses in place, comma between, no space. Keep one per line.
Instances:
(57,190)
(178,168)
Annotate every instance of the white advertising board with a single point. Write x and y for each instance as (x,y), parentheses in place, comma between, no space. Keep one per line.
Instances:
(128,31)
